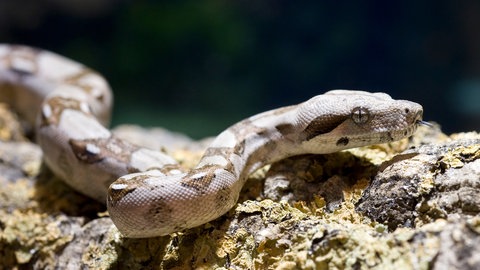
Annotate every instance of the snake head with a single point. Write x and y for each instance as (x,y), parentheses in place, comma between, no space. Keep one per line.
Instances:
(342,119)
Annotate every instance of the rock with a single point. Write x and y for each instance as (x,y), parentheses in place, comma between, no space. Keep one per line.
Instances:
(436,180)
(412,204)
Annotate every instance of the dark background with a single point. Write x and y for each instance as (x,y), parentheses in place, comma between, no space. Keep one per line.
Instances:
(199,66)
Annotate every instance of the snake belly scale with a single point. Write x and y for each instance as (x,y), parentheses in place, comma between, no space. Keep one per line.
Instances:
(147,192)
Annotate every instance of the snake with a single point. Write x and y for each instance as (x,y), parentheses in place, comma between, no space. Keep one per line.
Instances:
(147,192)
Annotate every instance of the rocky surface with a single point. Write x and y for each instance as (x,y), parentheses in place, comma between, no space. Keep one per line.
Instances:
(412,204)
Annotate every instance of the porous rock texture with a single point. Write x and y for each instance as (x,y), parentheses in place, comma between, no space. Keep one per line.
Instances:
(412,204)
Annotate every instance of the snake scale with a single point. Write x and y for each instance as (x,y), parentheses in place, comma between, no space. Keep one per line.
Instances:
(147,192)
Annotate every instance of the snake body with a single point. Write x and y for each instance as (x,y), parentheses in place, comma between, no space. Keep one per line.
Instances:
(147,192)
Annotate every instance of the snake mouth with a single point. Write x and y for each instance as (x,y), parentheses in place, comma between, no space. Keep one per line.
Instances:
(409,131)
(419,120)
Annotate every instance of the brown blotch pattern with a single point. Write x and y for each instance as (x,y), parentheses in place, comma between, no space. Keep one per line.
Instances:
(57,106)
(247,128)
(76,81)
(158,211)
(115,195)
(322,125)
(225,152)
(200,183)
(167,168)
(239,148)
(229,168)
(217,151)
(224,196)
(285,129)
(112,147)
(343,141)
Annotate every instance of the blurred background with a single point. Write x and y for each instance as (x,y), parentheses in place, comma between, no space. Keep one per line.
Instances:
(199,66)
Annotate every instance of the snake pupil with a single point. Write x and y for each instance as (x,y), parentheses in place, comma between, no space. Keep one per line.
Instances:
(360,115)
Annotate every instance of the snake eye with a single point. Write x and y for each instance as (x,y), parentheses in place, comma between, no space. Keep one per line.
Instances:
(360,115)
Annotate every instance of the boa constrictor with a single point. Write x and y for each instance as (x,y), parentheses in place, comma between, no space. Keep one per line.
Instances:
(146,191)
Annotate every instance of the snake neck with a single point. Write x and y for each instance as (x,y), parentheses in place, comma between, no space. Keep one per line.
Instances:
(251,144)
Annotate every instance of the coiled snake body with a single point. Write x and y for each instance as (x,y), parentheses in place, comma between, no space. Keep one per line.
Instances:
(147,193)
